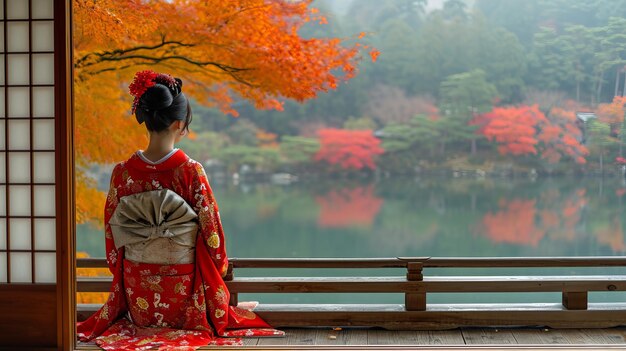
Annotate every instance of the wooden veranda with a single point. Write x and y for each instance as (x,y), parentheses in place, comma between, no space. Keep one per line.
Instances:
(574,310)
(461,338)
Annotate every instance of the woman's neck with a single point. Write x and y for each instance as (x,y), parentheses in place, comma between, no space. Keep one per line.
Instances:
(160,145)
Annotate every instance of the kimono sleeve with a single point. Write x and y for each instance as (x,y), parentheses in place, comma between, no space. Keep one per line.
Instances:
(109,207)
(210,225)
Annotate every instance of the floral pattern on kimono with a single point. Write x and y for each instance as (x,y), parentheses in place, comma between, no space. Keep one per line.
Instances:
(173,307)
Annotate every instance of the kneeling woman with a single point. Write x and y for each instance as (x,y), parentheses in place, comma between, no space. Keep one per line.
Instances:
(164,241)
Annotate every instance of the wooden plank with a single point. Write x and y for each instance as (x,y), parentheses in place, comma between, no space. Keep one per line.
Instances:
(440,337)
(575,300)
(302,336)
(488,336)
(93,284)
(415,302)
(319,262)
(607,336)
(444,317)
(422,337)
(524,284)
(577,336)
(400,284)
(539,262)
(288,284)
(341,337)
(430,262)
(539,336)
(436,317)
(28,315)
(378,337)
(250,341)
(323,285)
(92,262)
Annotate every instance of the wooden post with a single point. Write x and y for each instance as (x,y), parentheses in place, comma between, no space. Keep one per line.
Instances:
(234,299)
(415,301)
(575,300)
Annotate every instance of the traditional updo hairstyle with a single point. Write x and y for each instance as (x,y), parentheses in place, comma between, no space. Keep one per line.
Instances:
(159,101)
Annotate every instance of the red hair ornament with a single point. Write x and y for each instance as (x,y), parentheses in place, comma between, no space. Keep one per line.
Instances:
(147,79)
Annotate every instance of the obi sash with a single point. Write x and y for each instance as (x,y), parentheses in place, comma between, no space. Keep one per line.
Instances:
(157,227)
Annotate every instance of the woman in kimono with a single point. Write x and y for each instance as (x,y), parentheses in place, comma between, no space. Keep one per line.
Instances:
(164,241)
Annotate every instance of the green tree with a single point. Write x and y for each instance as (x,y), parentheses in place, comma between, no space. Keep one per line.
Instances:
(519,17)
(447,47)
(298,149)
(462,96)
(421,134)
(612,53)
(599,140)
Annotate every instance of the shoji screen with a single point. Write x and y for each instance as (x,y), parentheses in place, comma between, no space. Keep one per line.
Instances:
(27,144)
(35,170)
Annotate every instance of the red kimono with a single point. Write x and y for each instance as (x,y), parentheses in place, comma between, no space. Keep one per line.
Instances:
(177,306)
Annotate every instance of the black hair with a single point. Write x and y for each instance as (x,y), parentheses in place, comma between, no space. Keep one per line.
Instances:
(160,106)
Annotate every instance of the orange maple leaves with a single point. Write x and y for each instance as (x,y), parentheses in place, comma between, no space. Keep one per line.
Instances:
(513,128)
(222,50)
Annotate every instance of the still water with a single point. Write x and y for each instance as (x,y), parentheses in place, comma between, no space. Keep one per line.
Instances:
(418,217)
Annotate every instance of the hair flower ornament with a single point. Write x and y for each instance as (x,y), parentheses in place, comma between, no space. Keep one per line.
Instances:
(146,79)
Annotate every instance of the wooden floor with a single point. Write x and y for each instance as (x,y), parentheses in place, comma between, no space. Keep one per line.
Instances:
(456,337)
(487,339)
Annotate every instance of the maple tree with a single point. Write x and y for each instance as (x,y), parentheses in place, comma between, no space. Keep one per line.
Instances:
(349,149)
(523,130)
(513,128)
(613,113)
(561,137)
(222,50)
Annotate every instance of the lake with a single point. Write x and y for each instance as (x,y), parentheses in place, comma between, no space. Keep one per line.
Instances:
(418,217)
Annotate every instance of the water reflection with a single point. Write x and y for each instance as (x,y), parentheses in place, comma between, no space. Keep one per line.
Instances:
(344,208)
(424,217)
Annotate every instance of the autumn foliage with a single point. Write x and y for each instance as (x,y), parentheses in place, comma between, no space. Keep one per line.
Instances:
(91,297)
(347,208)
(222,50)
(513,128)
(523,130)
(613,113)
(560,137)
(349,149)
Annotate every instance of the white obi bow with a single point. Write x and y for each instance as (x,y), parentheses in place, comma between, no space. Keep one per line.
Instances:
(155,226)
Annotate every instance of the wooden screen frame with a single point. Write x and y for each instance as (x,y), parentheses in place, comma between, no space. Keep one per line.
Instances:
(65,190)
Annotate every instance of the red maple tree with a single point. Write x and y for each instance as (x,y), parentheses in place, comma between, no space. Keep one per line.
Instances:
(514,128)
(523,130)
(349,149)
(561,137)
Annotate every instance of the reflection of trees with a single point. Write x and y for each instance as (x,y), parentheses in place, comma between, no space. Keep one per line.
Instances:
(555,216)
(527,221)
(342,208)
(612,234)
(424,217)
(513,223)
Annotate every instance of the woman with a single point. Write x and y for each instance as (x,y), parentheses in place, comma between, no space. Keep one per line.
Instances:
(164,241)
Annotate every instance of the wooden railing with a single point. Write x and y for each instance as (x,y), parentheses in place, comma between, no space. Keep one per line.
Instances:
(573,311)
